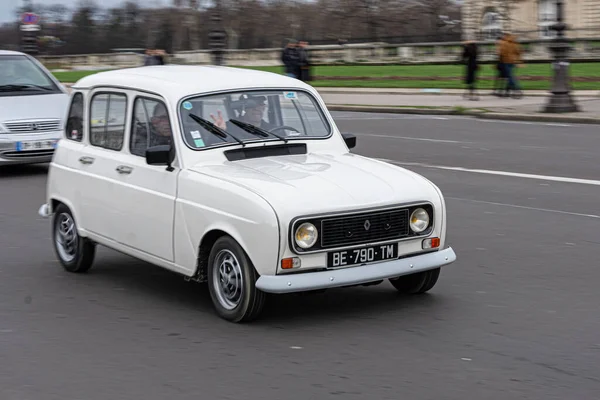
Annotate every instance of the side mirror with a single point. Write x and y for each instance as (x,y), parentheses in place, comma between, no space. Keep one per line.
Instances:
(350,140)
(161,155)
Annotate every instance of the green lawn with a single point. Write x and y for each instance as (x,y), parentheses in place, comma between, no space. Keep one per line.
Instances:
(429,73)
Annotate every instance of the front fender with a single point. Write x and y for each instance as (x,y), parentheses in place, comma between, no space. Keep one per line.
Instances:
(205,204)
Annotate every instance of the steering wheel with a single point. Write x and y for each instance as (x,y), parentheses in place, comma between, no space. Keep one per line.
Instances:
(291,128)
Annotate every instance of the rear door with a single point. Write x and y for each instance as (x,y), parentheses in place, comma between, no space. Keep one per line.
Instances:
(106,122)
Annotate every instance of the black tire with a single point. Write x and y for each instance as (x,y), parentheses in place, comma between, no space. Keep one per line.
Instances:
(236,303)
(418,283)
(79,257)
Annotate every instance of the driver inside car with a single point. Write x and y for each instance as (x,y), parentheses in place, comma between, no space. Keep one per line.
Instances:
(252,113)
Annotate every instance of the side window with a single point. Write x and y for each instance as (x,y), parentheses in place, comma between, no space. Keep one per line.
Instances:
(150,127)
(74,125)
(107,120)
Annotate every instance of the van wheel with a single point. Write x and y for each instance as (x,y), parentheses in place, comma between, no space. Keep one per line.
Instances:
(75,253)
(231,282)
(418,283)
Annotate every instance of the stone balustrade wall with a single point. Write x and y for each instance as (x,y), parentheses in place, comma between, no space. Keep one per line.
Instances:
(366,53)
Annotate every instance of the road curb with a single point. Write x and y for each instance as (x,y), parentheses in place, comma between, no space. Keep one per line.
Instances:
(542,117)
(589,94)
(572,119)
(556,118)
(404,110)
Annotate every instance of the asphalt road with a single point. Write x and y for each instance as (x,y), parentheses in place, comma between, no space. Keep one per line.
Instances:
(514,318)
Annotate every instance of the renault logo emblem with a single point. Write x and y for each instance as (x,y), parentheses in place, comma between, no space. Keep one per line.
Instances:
(367,225)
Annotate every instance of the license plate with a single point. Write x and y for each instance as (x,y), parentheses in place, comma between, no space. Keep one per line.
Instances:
(36,145)
(362,255)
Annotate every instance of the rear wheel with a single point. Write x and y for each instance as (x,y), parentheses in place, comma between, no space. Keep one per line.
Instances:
(418,283)
(75,253)
(231,282)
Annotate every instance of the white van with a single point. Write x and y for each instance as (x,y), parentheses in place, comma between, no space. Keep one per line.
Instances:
(33,104)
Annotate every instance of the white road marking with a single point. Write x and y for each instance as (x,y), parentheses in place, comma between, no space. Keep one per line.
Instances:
(525,207)
(391,117)
(408,138)
(501,173)
(494,121)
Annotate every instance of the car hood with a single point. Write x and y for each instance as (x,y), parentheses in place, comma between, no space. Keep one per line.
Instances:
(304,184)
(45,106)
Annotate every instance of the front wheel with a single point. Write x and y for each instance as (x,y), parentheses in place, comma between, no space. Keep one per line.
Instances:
(418,283)
(231,282)
(75,253)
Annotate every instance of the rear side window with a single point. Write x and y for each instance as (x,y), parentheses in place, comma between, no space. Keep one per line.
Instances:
(107,120)
(74,126)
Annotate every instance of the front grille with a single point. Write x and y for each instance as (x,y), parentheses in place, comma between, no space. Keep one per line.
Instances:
(29,153)
(365,227)
(33,126)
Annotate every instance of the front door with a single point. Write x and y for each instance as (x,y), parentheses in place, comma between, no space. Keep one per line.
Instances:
(145,194)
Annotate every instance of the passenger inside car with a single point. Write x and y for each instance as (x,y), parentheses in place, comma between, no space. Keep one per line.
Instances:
(155,132)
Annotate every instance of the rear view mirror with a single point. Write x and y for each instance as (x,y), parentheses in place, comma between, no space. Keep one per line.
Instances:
(350,140)
(161,155)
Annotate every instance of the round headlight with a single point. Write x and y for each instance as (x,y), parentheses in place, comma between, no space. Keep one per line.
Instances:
(306,235)
(419,220)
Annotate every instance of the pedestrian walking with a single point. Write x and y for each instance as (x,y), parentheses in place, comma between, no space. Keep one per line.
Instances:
(304,62)
(154,57)
(470,59)
(510,52)
(500,79)
(290,59)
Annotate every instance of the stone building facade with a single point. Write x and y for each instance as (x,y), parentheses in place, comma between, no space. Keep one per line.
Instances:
(528,19)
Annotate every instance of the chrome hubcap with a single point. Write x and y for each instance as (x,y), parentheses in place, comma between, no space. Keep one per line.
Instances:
(227,279)
(66,237)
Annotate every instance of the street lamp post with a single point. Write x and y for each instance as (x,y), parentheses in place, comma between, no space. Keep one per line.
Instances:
(560,101)
(217,38)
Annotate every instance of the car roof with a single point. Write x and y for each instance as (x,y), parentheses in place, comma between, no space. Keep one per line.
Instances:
(176,81)
(11,53)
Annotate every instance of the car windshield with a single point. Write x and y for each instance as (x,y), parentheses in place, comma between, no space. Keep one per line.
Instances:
(230,118)
(20,76)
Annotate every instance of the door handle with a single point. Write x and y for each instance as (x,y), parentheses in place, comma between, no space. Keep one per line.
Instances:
(122,169)
(86,160)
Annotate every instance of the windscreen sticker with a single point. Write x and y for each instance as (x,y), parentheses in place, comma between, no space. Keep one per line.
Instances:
(199,142)
(290,95)
(187,105)
(196,134)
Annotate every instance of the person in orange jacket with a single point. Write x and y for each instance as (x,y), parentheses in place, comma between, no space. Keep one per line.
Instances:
(510,56)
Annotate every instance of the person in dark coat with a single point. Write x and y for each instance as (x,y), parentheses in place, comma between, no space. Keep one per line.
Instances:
(470,59)
(290,58)
(304,62)
(154,57)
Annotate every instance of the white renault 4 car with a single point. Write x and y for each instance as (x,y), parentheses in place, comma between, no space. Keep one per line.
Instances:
(32,106)
(240,179)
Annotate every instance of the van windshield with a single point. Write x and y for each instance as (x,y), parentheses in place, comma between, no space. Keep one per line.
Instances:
(230,118)
(20,76)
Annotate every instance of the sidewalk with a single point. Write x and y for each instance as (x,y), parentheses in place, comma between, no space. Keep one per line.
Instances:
(450,102)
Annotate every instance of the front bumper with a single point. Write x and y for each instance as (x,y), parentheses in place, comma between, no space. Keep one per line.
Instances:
(12,151)
(354,275)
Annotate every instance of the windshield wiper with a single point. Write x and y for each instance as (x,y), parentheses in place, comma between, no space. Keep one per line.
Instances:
(215,130)
(38,86)
(15,88)
(255,130)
